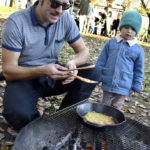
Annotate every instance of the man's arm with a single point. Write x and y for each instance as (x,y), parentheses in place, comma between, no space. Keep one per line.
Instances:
(12,71)
(81,57)
(82,52)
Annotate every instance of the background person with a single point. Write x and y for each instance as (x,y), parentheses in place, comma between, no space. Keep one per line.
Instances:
(92,26)
(28,4)
(98,24)
(84,5)
(121,62)
(103,25)
(115,25)
(108,23)
(89,18)
(31,42)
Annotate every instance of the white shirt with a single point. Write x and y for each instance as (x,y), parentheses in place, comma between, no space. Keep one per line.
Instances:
(130,42)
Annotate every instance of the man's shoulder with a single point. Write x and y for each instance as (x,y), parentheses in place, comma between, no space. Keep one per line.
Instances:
(20,15)
(66,18)
(66,15)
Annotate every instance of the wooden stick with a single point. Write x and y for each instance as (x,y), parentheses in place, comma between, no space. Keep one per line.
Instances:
(83,79)
(80,68)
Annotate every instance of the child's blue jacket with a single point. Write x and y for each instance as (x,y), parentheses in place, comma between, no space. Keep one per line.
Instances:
(121,67)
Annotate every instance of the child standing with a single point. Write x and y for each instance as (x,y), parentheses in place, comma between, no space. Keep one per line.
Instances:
(121,62)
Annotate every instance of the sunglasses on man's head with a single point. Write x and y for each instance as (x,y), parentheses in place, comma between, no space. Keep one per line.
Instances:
(56,4)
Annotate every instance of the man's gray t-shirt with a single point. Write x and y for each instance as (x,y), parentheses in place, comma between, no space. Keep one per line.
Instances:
(37,45)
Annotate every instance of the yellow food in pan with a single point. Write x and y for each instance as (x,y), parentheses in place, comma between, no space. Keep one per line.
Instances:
(99,118)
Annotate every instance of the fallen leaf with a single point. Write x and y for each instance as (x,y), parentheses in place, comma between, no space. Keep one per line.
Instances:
(132,111)
(96,89)
(133,107)
(1,136)
(143,114)
(9,143)
(145,99)
(142,106)
(12,132)
(136,103)
(2,85)
(126,110)
(1,104)
(56,106)
(4,148)
(1,129)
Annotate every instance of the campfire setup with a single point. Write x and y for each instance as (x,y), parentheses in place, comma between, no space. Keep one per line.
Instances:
(65,130)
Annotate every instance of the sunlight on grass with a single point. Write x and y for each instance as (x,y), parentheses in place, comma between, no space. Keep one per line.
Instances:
(7,11)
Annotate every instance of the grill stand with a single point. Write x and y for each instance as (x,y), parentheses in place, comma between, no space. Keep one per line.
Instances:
(64,130)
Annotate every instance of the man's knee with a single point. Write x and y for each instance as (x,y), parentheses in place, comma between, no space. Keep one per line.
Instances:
(18,119)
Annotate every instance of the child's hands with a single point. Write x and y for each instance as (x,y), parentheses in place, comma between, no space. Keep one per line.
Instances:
(134,94)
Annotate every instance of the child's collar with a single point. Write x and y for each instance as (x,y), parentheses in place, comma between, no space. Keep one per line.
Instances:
(130,42)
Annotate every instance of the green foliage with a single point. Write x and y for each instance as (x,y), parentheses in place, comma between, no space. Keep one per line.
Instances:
(51,109)
(141,10)
(143,35)
(70,51)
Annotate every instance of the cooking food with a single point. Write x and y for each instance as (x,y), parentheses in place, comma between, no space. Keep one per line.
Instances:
(99,118)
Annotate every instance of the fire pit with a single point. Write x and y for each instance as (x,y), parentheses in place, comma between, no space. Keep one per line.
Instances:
(64,130)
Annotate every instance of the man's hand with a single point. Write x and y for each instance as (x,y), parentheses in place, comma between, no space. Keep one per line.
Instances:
(56,72)
(69,79)
(134,94)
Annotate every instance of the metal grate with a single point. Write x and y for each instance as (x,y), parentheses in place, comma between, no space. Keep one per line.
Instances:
(64,130)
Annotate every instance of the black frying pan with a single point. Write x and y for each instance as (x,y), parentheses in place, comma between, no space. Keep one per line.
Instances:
(118,116)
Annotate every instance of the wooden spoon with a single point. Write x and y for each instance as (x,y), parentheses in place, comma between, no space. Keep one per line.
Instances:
(83,79)
(81,68)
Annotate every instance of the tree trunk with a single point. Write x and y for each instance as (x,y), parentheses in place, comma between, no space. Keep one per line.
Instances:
(11,3)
